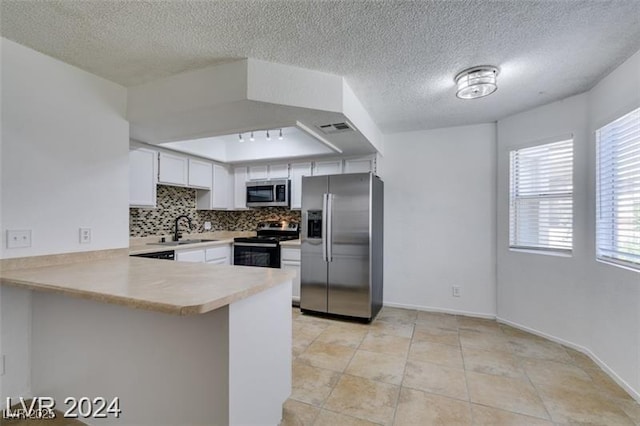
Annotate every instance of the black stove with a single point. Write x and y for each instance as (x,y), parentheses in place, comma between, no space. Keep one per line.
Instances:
(264,249)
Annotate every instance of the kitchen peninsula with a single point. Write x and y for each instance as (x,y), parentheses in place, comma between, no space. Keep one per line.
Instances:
(177,343)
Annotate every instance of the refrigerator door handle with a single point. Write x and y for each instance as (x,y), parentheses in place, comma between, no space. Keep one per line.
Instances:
(330,227)
(324,226)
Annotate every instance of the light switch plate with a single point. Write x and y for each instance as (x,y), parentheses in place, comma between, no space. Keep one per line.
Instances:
(18,238)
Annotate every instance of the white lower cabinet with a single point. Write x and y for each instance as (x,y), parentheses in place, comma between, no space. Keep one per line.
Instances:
(290,259)
(196,256)
(219,255)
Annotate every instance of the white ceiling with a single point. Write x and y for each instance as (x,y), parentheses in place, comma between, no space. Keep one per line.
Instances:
(399,57)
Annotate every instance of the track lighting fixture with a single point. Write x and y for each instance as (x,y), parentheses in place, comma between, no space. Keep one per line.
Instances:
(267,132)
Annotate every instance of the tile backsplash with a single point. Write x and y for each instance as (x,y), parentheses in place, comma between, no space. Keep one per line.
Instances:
(174,201)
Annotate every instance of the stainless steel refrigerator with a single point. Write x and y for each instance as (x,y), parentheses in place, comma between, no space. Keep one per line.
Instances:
(341,245)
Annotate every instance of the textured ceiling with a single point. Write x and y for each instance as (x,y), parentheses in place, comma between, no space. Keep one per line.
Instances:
(399,57)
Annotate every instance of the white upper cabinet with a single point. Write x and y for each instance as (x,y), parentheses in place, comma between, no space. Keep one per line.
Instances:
(358,165)
(200,173)
(240,188)
(219,197)
(173,170)
(278,171)
(333,167)
(143,175)
(221,192)
(258,172)
(298,170)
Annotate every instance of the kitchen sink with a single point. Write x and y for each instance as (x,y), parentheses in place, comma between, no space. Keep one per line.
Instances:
(180,243)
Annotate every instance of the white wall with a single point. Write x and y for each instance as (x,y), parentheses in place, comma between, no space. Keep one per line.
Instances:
(615,308)
(65,155)
(65,145)
(573,299)
(440,219)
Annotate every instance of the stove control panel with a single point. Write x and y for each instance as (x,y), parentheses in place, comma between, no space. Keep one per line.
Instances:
(282,225)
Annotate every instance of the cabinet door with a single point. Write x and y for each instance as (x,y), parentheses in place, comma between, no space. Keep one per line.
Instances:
(220,197)
(258,172)
(297,171)
(278,171)
(200,174)
(327,168)
(240,188)
(219,255)
(173,169)
(290,254)
(293,266)
(196,256)
(358,165)
(142,177)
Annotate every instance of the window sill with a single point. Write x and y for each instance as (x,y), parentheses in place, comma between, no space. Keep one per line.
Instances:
(619,265)
(543,252)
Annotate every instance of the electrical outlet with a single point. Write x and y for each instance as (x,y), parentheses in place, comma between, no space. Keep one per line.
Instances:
(455,290)
(207,226)
(85,235)
(18,238)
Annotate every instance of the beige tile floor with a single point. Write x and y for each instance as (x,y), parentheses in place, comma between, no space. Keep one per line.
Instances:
(418,368)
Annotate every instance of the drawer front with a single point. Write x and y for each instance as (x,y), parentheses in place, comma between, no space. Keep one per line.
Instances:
(215,253)
(290,254)
(190,256)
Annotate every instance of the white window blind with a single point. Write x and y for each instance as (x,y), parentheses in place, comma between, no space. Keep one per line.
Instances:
(618,191)
(541,197)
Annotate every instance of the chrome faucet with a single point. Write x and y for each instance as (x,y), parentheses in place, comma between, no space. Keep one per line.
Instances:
(177,235)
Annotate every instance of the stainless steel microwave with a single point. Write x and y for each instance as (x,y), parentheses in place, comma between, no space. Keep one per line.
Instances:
(269,193)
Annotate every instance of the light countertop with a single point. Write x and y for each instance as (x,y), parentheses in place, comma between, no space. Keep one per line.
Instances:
(150,248)
(180,288)
(291,243)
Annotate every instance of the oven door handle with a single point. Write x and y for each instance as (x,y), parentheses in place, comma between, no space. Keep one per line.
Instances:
(271,245)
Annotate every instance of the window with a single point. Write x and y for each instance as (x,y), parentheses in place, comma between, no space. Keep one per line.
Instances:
(618,191)
(541,197)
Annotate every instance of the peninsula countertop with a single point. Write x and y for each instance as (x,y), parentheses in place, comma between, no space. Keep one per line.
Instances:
(180,288)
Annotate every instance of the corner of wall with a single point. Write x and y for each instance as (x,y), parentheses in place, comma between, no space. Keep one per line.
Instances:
(353,109)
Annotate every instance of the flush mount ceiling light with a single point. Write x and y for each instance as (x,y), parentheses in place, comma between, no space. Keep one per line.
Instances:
(477,82)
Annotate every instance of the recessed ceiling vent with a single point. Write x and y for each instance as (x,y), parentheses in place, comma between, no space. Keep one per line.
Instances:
(330,129)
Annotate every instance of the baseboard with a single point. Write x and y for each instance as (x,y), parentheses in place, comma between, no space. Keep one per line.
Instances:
(439,310)
(621,382)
